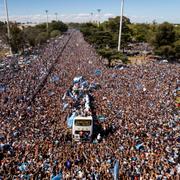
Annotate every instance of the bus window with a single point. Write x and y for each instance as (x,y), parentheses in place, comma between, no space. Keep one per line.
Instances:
(82,122)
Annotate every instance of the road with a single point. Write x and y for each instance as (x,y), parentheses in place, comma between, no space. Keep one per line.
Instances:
(141,129)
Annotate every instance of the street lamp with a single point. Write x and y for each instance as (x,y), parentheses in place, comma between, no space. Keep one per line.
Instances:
(120,26)
(56,14)
(8,27)
(99,10)
(91,17)
(47,21)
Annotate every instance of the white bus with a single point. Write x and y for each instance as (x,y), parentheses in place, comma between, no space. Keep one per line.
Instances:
(82,128)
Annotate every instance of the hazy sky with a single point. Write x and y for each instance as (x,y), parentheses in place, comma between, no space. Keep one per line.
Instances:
(79,10)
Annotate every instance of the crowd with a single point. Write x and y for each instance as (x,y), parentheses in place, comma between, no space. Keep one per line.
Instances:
(2,44)
(134,49)
(140,128)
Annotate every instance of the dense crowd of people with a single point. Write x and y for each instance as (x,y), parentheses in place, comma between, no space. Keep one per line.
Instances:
(140,128)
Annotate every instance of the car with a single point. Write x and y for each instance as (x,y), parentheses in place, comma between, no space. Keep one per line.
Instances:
(164,61)
(2,66)
(120,66)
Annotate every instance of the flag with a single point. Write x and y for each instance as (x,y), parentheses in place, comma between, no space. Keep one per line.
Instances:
(116,170)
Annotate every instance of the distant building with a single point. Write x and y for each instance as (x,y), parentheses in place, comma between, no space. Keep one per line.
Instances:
(25,25)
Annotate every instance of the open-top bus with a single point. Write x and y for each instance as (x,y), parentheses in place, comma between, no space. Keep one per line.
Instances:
(82,128)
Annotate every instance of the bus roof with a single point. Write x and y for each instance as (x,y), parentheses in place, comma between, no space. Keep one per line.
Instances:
(83,118)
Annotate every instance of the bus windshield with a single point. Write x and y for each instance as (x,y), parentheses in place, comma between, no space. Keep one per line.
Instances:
(83,122)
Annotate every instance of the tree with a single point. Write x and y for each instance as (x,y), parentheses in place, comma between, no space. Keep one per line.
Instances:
(177,49)
(58,25)
(17,40)
(165,35)
(38,34)
(166,41)
(102,39)
(165,51)
(112,25)
(140,32)
(105,37)
(112,54)
(177,30)
(42,37)
(30,34)
(42,27)
(3,33)
(74,25)
(55,33)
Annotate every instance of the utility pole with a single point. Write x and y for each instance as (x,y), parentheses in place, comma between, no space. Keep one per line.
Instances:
(99,11)
(91,17)
(56,14)
(47,21)
(120,26)
(8,27)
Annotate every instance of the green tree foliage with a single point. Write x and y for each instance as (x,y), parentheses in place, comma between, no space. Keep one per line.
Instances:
(88,29)
(140,32)
(55,33)
(1,24)
(30,34)
(112,54)
(165,41)
(102,39)
(17,40)
(41,27)
(165,35)
(112,26)
(177,48)
(105,37)
(34,35)
(166,51)
(3,32)
(57,25)
(74,25)
(177,30)
(42,37)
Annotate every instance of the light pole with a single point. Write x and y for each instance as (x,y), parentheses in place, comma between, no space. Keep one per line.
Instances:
(56,14)
(47,21)
(99,10)
(8,27)
(91,17)
(120,26)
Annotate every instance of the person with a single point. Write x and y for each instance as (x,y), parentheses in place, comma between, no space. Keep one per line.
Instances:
(148,117)
(99,137)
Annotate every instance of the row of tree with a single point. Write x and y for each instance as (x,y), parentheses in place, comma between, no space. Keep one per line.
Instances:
(167,41)
(22,37)
(165,38)
(105,38)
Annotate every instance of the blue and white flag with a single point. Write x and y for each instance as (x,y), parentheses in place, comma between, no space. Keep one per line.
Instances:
(116,170)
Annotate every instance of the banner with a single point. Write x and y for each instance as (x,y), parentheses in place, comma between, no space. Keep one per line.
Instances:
(116,170)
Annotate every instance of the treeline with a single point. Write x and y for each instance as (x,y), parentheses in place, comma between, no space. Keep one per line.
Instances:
(105,38)
(23,37)
(164,38)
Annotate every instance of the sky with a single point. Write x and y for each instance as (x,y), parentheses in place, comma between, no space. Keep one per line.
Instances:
(80,10)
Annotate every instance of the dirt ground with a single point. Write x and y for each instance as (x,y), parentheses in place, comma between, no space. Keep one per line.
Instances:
(138,60)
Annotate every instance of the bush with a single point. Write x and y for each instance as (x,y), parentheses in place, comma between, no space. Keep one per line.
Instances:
(177,48)
(58,25)
(112,54)
(55,33)
(165,51)
(42,37)
(31,34)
